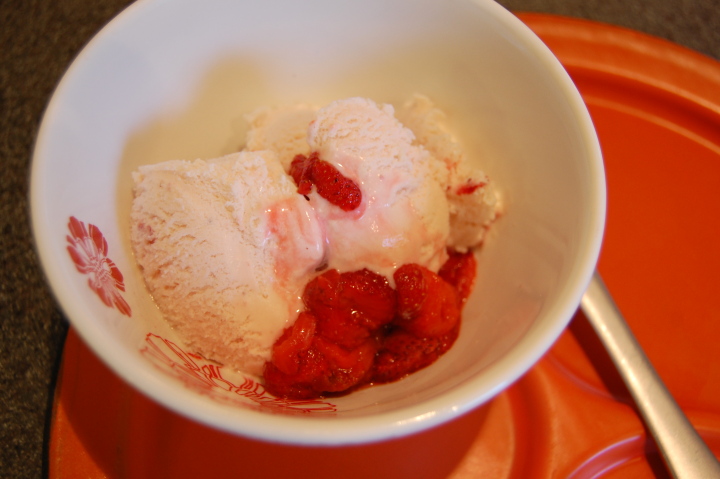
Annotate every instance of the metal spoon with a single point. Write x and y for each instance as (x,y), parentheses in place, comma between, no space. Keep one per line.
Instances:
(683,450)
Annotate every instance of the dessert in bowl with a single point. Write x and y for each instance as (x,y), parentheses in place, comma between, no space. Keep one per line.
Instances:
(174,81)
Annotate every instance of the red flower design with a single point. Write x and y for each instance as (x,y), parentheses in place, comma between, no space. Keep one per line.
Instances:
(205,377)
(88,250)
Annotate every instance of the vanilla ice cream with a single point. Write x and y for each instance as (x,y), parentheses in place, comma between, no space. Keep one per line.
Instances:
(472,199)
(226,246)
(403,217)
(280,129)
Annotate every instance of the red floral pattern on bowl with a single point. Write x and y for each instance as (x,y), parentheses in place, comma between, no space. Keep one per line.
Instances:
(205,377)
(88,249)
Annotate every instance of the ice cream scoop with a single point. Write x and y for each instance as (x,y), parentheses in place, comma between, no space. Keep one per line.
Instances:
(225,247)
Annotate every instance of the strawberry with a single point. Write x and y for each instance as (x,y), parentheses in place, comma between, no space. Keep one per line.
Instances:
(294,340)
(332,185)
(298,385)
(370,296)
(428,306)
(347,367)
(322,368)
(459,270)
(470,187)
(350,306)
(403,353)
(300,170)
(356,329)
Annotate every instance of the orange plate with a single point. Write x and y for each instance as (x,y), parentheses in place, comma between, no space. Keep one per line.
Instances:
(656,107)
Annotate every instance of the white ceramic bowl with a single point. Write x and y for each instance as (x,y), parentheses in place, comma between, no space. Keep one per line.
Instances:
(172,79)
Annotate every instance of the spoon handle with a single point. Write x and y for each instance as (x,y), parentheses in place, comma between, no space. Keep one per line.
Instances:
(685,453)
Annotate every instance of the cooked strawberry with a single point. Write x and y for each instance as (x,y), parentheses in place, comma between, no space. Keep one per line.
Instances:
(335,187)
(469,187)
(294,340)
(347,367)
(357,329)
(301,172)
(349,306)
(336,322)
(370,296)
(332,185)
(300,385)
(428,306)
(403,353)
(459,270)
(322,368)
